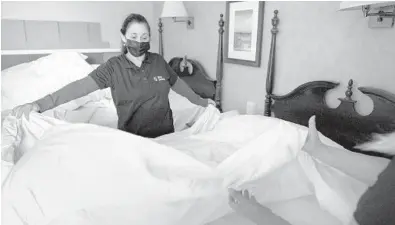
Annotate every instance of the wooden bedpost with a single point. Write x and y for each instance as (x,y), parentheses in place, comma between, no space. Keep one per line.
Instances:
(220,63)
(160,25)
(270,67)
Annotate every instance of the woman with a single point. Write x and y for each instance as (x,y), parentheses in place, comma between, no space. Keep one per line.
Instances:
(376,206)
(140,82)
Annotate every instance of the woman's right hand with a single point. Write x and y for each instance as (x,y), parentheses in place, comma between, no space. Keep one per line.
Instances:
(25,109)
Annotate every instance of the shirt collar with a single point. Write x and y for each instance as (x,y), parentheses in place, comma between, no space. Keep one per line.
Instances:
(128,64)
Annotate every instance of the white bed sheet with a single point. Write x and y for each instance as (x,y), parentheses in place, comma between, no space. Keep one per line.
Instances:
(103,112)
(254,152)
(100,112)
(299,205)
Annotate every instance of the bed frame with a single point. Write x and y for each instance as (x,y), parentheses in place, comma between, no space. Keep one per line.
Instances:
(220,60)
(342,124)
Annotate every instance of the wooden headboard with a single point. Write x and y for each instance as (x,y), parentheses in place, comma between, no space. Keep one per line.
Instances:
(342,124)
(198,80)
(204,85)
(27,40)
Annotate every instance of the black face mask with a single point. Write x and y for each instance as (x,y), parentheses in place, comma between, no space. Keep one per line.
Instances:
(137,48)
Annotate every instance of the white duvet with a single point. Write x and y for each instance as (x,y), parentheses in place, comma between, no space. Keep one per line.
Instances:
(85,174)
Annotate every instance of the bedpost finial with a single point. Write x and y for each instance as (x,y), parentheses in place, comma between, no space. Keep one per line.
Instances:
(221,21)
(350,82)
(349,89)
(160,25)
(221,24)
(185,61)
(275,21)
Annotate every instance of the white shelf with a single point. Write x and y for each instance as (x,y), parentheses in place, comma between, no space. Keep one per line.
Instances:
(50,51)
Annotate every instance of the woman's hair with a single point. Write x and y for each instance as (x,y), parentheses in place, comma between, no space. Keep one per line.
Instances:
(133,18)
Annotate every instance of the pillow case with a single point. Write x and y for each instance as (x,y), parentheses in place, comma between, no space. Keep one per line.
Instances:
(384,143)
(31,81)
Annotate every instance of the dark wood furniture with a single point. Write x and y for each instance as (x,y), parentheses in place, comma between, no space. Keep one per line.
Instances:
(342,124)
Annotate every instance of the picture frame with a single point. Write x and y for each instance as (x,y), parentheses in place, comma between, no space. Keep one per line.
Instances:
(243,34)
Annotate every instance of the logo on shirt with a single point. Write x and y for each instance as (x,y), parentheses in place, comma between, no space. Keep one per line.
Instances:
(159,78)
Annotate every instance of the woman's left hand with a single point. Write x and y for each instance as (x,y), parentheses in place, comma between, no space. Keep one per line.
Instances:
(244,202)
(211,102)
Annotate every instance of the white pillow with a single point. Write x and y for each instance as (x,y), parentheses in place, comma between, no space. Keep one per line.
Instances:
(31,81)
(384,143)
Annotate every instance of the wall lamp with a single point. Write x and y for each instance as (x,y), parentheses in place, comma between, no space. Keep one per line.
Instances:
(177,11)
(383,11)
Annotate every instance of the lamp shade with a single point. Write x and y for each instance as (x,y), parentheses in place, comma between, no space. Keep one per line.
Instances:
(350,5)
(174,9)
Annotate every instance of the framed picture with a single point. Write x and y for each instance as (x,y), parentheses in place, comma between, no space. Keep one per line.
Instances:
(243,36)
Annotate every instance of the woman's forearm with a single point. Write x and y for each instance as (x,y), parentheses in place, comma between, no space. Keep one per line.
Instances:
(183,89)
(68,93)
(330,156)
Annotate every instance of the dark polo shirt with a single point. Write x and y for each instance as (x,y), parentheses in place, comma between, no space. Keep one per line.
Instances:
(377,204)
(140,94)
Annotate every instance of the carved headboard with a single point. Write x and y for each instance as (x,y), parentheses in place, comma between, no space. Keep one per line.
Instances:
(342,124)
(198,80)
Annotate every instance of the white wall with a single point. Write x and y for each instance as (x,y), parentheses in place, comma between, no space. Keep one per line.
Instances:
(109,14)
(315,42)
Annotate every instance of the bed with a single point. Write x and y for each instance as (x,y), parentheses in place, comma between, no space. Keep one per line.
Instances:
(70,173)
